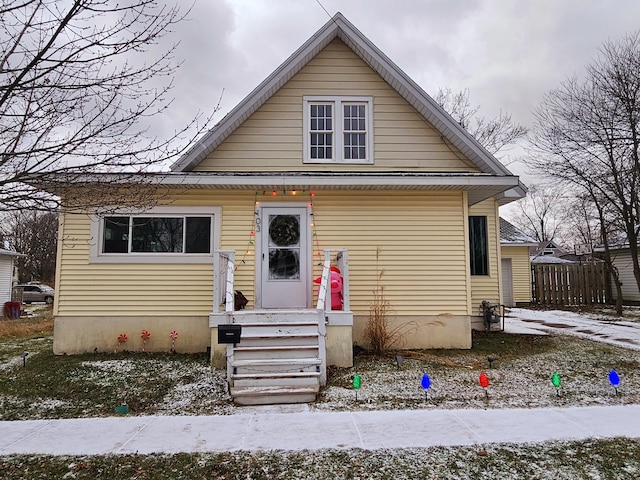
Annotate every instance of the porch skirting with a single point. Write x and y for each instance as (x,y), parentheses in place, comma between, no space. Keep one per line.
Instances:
(421,331)
(73,335)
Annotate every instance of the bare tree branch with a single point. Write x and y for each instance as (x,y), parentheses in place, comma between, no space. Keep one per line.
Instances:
(77,88)
(495,134)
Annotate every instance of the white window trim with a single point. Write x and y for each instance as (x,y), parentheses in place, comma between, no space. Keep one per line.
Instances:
(337,101)
(97,233)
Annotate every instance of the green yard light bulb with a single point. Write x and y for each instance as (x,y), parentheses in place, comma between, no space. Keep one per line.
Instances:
(357,382)
(555,379)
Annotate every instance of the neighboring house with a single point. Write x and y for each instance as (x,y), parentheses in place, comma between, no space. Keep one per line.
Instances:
(337,153)
(516,265)
(7,269)
(547,248)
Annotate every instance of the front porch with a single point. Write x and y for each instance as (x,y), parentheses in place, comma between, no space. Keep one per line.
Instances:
(280,355)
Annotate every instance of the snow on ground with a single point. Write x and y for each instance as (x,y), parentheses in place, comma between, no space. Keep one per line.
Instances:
(516,381)
(611,330)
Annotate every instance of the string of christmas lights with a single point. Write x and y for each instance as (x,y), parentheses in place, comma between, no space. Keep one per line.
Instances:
(255,224)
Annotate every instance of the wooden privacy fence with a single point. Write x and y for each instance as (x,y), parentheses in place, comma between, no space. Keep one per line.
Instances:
(570,284)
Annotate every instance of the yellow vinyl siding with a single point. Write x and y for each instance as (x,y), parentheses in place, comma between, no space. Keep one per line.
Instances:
(420,240)
(487,287)
(131,289)
(420,237)
(272,138)
(520,271)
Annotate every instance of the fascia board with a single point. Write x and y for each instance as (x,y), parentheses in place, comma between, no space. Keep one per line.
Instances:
(290,180)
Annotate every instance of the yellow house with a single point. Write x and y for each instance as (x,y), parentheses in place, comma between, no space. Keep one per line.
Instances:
(337,159)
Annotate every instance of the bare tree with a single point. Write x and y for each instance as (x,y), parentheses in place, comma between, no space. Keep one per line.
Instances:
(35,235)
(495,134)
(542,212)
(587,135)
(78,83)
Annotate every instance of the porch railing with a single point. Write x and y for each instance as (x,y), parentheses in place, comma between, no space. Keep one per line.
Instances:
(339,258)
(223,280)
(223,289)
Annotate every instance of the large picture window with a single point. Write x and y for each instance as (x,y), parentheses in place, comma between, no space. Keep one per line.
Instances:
(170,234)
(338,129)
(478,253)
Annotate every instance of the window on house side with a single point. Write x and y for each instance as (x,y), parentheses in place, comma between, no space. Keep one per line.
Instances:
(478,253)
(338,129)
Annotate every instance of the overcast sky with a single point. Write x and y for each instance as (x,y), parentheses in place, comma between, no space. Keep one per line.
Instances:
(506,52)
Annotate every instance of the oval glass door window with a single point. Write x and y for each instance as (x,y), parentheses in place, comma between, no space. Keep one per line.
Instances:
(284,247)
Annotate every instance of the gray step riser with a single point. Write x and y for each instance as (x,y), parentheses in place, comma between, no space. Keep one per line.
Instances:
(274,399)
(311,381)
(256,369)
(270,330)
(278,341)
(276,318)
(285,353)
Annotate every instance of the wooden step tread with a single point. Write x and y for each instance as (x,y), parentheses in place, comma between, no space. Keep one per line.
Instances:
(270,391)
(277,361)
(300,323)
(240,348)
(240,376)
(279,335)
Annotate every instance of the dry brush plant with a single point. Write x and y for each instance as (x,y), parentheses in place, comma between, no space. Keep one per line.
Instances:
(378,333)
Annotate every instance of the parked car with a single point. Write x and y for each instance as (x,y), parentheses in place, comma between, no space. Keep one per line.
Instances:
(37,293)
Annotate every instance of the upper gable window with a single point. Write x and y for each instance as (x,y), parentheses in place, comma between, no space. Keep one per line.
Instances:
(338,129)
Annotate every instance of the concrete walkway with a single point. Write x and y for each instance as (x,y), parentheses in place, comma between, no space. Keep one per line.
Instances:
(307,430)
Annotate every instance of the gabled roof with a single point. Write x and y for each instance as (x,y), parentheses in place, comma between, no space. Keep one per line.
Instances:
(540,247)
(339,27)
(510,235)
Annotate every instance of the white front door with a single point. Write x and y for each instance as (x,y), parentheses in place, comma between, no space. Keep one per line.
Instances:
(285,257)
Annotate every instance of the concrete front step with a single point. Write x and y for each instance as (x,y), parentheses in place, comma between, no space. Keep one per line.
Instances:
(265,395)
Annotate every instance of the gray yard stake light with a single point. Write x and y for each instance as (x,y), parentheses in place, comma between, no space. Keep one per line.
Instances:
(24,358)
